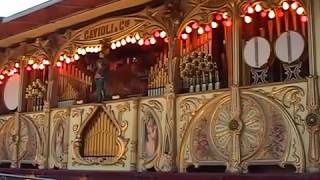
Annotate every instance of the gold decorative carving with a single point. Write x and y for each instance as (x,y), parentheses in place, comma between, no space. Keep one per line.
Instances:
(290,97)
(120,142)
(59,141)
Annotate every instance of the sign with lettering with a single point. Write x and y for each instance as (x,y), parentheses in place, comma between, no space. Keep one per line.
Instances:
(108,29)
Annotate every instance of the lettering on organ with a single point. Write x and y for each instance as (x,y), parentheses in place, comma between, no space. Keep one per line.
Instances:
(107,29)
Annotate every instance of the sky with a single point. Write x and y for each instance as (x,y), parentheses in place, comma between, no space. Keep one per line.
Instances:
(11,7)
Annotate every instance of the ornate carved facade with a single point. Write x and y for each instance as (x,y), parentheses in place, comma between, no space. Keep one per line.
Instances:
(209,101)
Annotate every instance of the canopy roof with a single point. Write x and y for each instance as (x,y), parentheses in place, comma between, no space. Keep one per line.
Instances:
(57,15)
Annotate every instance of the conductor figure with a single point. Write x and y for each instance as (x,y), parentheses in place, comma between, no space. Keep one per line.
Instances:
(100,78)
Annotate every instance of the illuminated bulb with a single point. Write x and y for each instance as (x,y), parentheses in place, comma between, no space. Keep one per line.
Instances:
(250,10)
(1,82)
(133,40)
(79,50)
(141,42)
(280,13)
(15,70)
(247,19)
(61,58)
(285,6)
(156,34)
(76,57)
(218,17)
(294,6)
(46,62)
(227,23)
(59,64)
(207,28)
(303,18)
(30,62)
(1,77)
(147,42)
(214,24)
(225,15)
(84,52)
(200,30)
(68,60)
(35,66)
(113,45)
(153,40)
(28,68)
(263,14)
(188,29)
(123,42)
(163,34)
(88,49)
(128,39)
(271,14)
(17,65)
(258,8)
(195,25)
(137,36)
(166,40)
(118,44)
(300,11)
(41,66)
(184,36)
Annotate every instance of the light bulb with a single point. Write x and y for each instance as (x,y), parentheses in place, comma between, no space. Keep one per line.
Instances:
(141,42)
(250,10)
(30,61)
(35,66)
(17,65)
(118,44)
(200,30)
(225,15)
(247,19)
(258,8)
(214,24)
(41,66)
(184,36)
(163,34)
(153,40)
(79,50)
(1,77)
(300,11)
(113,46)
(59,64)
(188,29)
(128,39)
(137,36)
(133,40)
(123,42)
(294,5)
(271,14)
(285,6)
(68,60)
(76,57)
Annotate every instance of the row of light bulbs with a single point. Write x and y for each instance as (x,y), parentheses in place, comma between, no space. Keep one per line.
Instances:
(9,72)
(272,13)
(224,17)
(89,49)
(32,64)
(141,41)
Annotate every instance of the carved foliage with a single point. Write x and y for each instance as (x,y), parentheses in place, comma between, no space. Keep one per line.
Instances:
(101,113)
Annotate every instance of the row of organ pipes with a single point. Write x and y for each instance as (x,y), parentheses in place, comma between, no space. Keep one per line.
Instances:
(158,78)
(100,139)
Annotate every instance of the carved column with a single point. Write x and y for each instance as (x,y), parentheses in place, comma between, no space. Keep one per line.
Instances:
(235,125)
(313,118)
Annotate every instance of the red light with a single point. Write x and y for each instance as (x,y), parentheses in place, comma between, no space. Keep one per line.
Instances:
(303,18)
(184,36)
(156,34)
(207,28)
(280,13)
(59,64)
(218,17)
(263,14)
(1,82)
(227,23)
(147,42)
(28,68)
(195,25)
(166,39)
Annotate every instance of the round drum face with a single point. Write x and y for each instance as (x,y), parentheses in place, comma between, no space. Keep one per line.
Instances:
(11,92)
(289,47)
(257,52)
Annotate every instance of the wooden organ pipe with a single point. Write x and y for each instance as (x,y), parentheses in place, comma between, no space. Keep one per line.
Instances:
(100,139)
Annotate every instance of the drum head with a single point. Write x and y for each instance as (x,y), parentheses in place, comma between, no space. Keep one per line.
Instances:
(257,52)
(289,47)
(11,92)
